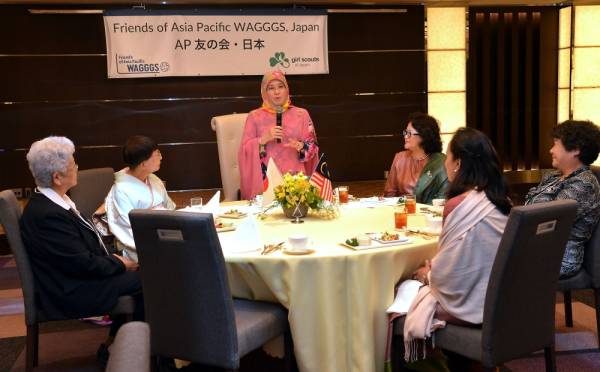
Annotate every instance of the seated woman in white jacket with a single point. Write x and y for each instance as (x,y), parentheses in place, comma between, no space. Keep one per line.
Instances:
(136,187)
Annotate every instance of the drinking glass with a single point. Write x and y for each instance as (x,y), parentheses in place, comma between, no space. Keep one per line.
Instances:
(343,190)
(400,217)
(196,202)
(411,204)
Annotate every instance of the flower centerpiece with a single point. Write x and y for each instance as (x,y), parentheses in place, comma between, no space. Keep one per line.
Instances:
(297,191)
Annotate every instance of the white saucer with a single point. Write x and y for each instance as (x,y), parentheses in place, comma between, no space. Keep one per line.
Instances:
(298,252)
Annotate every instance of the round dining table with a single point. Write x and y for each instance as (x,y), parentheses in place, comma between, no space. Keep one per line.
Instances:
(336,296)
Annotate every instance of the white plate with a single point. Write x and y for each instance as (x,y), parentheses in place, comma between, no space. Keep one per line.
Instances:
(297,252)
(375,244)
(228,227)
(236,216)
(361,247)
(377,238)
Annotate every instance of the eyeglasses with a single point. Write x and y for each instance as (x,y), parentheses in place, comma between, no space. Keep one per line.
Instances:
(407,133)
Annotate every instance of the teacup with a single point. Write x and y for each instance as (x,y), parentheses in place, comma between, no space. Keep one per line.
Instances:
(298,242)
(438,202)
(434,223)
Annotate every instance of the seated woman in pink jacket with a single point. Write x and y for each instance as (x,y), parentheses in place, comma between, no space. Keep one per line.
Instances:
(293,145)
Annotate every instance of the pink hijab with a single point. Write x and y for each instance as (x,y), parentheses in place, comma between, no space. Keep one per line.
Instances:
(267,78)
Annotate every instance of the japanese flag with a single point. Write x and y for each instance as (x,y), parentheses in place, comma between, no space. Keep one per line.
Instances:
(273,179)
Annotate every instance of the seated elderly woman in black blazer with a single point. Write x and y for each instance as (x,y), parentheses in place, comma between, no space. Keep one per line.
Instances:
(76,276)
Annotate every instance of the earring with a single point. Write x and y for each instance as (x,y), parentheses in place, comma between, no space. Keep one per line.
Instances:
(455,170)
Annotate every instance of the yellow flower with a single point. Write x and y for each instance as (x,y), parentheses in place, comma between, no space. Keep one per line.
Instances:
(297,189)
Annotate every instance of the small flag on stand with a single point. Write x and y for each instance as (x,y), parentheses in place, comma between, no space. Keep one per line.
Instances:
(322,179)
(273,179)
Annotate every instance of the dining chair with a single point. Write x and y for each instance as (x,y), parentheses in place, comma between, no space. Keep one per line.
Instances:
(92,187)
(10,214)
(518,314)
(588,277)
(131,349)
(229,129)
(187,299)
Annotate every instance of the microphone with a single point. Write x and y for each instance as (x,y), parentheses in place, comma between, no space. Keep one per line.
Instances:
(278,121)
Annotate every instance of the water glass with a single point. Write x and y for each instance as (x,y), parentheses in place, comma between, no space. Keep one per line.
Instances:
(196,202)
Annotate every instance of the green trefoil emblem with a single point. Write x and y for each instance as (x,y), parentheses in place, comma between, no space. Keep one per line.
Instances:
(280,59)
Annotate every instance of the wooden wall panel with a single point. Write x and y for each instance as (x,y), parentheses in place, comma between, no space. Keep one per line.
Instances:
(378,31)
(54,82)
(77,79)
(512,79)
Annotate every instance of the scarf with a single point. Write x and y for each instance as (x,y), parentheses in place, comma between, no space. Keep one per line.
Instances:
(460,272)
(267,78)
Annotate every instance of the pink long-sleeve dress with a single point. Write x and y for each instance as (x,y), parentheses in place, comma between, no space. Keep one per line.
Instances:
(297,125)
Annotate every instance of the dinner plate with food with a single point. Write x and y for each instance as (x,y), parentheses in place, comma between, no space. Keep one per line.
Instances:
(224,226)
(366,241)
(359,242)
(388,238)
(233,213)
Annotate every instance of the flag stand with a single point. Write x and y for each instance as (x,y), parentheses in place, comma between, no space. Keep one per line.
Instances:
(298,214)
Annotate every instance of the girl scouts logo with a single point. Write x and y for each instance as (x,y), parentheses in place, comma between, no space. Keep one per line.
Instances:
(279,59)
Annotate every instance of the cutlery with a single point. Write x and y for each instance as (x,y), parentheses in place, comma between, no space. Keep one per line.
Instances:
(418,233)
(270,248)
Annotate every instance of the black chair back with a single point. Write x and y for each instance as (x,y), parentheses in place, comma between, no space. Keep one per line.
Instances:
(519,306)
(10,214)
(92,187)
(186,291)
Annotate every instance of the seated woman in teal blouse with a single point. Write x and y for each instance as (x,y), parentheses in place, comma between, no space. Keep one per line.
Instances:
(419,169)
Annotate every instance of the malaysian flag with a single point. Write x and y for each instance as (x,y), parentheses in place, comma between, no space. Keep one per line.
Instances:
(322,179)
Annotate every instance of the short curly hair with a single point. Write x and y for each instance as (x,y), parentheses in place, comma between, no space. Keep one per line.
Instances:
(579,135)
(429,131)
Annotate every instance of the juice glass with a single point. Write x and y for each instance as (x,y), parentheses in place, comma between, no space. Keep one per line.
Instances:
(400,217)
(411,204)
(343,190)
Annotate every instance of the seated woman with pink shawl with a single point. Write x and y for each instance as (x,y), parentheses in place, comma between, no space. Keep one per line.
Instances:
(293,145)
(454,283)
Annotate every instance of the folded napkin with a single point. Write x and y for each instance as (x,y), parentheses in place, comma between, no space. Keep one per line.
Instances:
(407,291)
(246,237)
(213,205)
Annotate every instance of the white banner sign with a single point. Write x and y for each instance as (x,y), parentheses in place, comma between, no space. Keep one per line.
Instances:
(142,43)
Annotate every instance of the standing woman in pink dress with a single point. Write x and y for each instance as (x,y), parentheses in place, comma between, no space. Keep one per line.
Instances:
(293,145)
